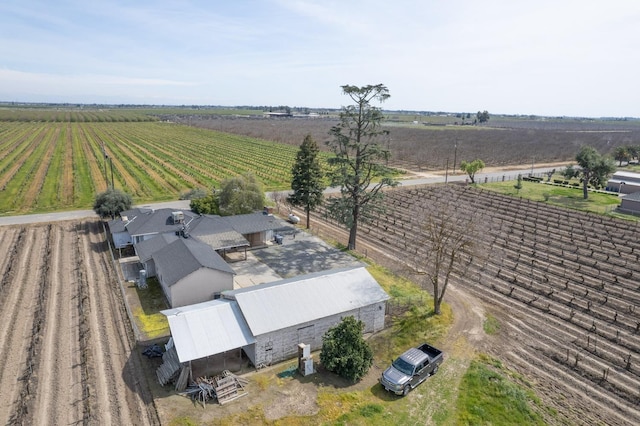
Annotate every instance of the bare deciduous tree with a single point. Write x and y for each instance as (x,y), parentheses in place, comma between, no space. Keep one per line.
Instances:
(444,247)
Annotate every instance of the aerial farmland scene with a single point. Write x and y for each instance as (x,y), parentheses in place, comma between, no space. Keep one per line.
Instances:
(304,212)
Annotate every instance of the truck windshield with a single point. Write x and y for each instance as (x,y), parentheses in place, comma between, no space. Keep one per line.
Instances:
(404,366)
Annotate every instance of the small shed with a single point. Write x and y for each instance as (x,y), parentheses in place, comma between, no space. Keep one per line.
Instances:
(119,233)
(624,182)
(190,271)
(630,203)
(256,228)
(206,329)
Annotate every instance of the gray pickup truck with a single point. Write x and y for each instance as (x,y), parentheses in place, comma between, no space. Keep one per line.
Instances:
(411,368)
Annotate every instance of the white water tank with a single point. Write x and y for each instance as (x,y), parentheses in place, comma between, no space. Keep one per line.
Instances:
(142,280)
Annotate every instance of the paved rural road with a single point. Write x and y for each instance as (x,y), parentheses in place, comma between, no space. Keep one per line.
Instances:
(184,204)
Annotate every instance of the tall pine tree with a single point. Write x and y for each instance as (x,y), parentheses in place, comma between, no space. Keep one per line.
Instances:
(359,165)
(307,178)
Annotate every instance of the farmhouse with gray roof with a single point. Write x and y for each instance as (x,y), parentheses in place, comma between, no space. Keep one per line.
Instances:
(190,271)
(183,249)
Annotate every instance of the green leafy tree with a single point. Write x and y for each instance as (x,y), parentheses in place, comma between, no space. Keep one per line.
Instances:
(518,185)
(358,166)
(111,202)
(193,193)
(307,178)
(471,168)
(240,195)
(621,153)
(205,205)
(344,350)
(594,169)
(483,116)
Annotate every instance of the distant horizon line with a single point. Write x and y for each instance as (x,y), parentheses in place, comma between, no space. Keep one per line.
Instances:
(284,107)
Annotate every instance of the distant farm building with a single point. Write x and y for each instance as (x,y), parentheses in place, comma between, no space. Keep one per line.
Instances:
(624,182)
(630,203)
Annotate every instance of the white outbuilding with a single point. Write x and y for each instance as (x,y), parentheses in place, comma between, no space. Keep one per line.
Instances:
(276,317)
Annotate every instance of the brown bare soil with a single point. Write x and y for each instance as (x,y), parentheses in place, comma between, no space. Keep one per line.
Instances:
(420,147)
(67,348)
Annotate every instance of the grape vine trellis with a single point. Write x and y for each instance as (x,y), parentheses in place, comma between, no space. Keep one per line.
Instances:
(151,160)
(567,282)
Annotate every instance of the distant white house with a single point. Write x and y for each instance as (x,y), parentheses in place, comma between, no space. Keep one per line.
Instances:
(624,182)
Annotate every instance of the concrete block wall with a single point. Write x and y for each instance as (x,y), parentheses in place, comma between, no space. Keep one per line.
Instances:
(282,344)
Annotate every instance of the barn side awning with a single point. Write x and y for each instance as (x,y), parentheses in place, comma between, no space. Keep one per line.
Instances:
(208,328)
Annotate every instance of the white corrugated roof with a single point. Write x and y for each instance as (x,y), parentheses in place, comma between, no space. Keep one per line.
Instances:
(623,174)
(282,304)
(208,328)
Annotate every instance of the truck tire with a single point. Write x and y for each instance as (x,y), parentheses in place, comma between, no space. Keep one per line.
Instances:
(406,390)
(435,370)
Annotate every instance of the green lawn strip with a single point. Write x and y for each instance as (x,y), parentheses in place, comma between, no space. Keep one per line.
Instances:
(569,197)
(167,181)
(491,394)
(148,317)
(160,137)
(67,179)
(18,152)
(51,191)
(24,178)
(166,158)
(114,174)
(129,169)
(83,184)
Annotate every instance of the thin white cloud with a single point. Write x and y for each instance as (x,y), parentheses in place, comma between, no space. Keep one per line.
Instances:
(544,57)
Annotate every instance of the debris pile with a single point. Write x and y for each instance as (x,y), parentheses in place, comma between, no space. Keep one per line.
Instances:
(225,388)
(153,351)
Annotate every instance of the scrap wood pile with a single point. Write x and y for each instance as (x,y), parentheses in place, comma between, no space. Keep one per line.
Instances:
(225,388)
(170,367)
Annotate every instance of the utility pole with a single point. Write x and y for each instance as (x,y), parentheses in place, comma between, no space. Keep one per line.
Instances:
(446,172)
(111,162)
(455,155)
(532,160)
(106,157)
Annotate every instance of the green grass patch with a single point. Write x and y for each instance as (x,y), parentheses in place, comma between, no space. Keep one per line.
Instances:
(558,195)
(489,395)
(491,324)
(151,322)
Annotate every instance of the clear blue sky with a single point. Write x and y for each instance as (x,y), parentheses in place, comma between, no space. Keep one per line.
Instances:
(544,57)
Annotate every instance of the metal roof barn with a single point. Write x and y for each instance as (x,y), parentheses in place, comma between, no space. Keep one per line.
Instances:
(208,328)
(276,306)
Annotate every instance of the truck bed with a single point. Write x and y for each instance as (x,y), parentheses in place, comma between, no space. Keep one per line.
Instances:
(431,352)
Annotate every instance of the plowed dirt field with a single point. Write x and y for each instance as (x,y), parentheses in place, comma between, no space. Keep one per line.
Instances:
(67,348)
